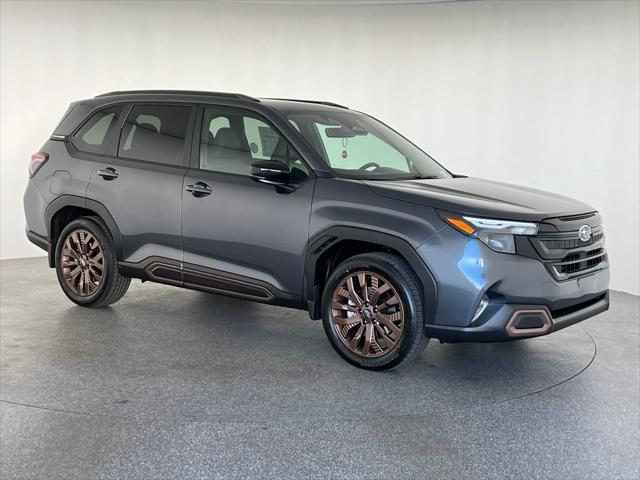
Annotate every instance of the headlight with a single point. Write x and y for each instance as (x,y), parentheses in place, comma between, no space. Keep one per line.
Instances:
(498,235)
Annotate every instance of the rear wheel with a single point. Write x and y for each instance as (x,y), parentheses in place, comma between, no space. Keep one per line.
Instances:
(86,264)
(373,312)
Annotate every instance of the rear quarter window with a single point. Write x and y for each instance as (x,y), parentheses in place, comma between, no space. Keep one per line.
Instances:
(94,134)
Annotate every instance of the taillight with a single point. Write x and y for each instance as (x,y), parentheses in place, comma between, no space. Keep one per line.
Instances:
(37,160)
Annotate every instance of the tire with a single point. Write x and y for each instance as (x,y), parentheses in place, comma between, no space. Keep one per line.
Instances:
(99,282)
(379,346)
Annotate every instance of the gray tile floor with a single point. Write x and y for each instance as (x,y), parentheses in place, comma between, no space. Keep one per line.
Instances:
(170,383)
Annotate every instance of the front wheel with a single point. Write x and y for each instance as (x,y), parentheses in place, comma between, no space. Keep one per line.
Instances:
(373,311)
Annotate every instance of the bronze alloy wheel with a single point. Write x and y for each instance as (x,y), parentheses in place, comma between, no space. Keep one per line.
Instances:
(367,314)
(82,262)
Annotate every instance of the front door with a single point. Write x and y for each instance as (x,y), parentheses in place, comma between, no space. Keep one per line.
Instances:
(140,180)
(250,234)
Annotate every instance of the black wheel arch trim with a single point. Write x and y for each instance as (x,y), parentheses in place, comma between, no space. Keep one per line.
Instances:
(38,240)
(322,240)
(81,202)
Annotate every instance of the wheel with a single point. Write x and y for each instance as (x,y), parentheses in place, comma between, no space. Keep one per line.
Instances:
(373,312)
(86,264)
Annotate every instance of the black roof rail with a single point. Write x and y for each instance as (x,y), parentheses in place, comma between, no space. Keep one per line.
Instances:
(180,92)
(330,104)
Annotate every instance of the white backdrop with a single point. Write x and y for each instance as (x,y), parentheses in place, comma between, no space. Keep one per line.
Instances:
(543,94)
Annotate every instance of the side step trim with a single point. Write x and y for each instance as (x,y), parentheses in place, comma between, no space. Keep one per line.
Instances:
(194,277)
(220,283)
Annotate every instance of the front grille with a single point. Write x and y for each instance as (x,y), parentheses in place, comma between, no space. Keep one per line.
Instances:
(565,255)
(571,242)
(579,261)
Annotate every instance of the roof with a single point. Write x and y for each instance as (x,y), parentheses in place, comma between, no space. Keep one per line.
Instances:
(289,102)
(276,103)
(189,93)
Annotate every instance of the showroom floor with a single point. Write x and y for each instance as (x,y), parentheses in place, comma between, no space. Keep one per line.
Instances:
(171,383)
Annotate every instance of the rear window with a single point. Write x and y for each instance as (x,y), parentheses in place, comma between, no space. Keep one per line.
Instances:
(155,133)
(94,134)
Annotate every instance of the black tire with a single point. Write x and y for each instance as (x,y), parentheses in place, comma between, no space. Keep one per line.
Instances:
(113,285)
(405,282)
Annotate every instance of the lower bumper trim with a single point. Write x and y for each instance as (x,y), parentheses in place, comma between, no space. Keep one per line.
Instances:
(496,329)
(539,317)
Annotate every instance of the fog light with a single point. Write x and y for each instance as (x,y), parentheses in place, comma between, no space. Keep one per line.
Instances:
(481,307)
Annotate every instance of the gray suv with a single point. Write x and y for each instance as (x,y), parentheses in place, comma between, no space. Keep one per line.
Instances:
(308,205)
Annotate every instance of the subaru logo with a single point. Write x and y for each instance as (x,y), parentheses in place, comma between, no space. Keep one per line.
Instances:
(584,233)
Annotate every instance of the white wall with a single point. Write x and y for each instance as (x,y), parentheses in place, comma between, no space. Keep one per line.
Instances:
(543,94)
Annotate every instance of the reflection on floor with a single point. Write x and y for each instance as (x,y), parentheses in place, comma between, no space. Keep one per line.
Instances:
(170,383)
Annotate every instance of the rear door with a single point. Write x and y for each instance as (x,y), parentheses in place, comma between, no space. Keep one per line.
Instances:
(252,234)
(139,180)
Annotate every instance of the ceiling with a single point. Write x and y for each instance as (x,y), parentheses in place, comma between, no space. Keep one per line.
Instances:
(341,2)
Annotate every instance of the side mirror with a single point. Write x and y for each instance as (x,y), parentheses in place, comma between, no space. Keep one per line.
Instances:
(272,172)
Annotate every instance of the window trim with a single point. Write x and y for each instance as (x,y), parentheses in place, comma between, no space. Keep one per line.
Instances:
(115,147)
(195,150)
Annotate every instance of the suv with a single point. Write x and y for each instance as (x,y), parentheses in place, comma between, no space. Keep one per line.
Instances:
(308,205)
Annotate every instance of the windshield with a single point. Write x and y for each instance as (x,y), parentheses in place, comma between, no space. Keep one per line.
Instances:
(357,146)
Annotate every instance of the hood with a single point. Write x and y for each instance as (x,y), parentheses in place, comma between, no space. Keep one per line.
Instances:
(485,198)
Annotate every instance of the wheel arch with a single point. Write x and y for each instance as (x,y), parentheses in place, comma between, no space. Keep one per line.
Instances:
(333,245)
(67,208)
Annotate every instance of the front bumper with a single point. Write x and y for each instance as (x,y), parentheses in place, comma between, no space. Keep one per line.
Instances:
(496,328)
(466,270)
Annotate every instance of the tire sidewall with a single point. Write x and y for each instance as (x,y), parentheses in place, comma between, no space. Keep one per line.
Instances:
(412,311)
(95,229)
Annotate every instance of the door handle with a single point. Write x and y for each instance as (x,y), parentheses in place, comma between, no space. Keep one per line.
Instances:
(199,189)
(108,173)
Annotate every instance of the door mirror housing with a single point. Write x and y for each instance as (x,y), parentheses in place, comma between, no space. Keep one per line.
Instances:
(272,172)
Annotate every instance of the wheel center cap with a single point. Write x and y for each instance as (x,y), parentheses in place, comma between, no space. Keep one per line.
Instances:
(367,315)
(83,263)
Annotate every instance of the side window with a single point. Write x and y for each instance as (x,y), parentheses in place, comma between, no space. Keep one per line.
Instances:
(261,137)
(155,133)
(231,140)
(211,127)
(93,135)
(217,123)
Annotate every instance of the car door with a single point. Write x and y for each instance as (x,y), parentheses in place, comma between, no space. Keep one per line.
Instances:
(139,181)
(241,236)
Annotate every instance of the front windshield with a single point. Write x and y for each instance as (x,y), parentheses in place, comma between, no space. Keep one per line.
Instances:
(357,146)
